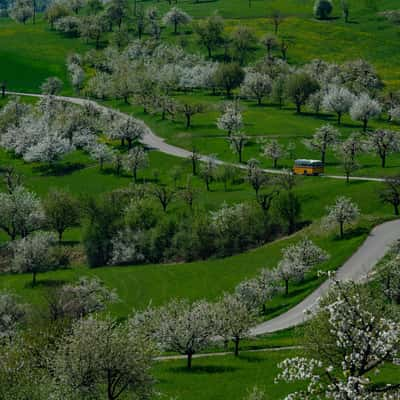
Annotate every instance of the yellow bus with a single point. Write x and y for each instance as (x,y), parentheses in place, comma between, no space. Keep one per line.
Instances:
(308,167)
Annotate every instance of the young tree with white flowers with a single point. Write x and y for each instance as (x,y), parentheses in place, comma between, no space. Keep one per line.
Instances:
(135,160)
(21,212)
(338,100)
(256,177)
(12,315)
(342,212)
(383,142)
(233,319)
(256,85)
(101,153)
(237,141)
(49,149)
(101,358)
(324,138)
(208,171)
(176,17)
(273,150)
(186,328)
(298,259)
(129,130)
(51,86)
(364,108)
(77,300)
(346,343)
(34,254)
(231,120)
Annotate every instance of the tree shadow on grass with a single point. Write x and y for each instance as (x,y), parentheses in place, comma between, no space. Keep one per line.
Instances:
(46,283)
(251,358)
(203,369)
(352,233)
(59,169)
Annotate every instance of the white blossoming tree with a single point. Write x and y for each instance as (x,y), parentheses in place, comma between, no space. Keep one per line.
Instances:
(237,141)
(33,254)
(103,359)
(383,142)
(49,149)
(364,108)
(347,341)
(231,120)
(77,300)
(135,160)
(343,212)
(273,150)
(324,137)
(233,319)
(338,100)
(176,17)
(129,130)
(101,153)
(297,260)
(21,212)
(256,86)
(186,328)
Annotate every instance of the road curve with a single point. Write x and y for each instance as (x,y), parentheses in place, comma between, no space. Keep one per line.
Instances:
(356,268)
(150,139)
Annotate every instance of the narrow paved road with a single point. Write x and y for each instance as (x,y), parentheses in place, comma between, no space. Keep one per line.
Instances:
(151,140)
(356,268)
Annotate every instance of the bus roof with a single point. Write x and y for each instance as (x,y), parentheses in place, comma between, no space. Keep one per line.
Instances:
(302,161)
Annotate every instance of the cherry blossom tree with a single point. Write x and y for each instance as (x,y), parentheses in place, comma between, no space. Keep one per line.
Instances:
(49,149)
(237,141)
(103,359)
(21,212)
(186,328)
(128,129)
(233,319)
(342,212)
(33,254)
(231,120)
(101,153)
(383,142)
(51,86)
(77,300)
(324,137)
(135,160)
(348,340)
(273,150)
(176,17)
(208,170)
(256,85)
(298,259)
(256,176)
(338,100)
(364,108)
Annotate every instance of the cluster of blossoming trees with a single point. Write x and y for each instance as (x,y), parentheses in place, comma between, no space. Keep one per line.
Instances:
(83,354)
(150,73)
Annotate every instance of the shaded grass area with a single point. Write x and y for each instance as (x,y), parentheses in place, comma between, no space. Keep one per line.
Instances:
(227,377)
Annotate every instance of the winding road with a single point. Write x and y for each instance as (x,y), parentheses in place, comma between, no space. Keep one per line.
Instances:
(356,268)
(151,140)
